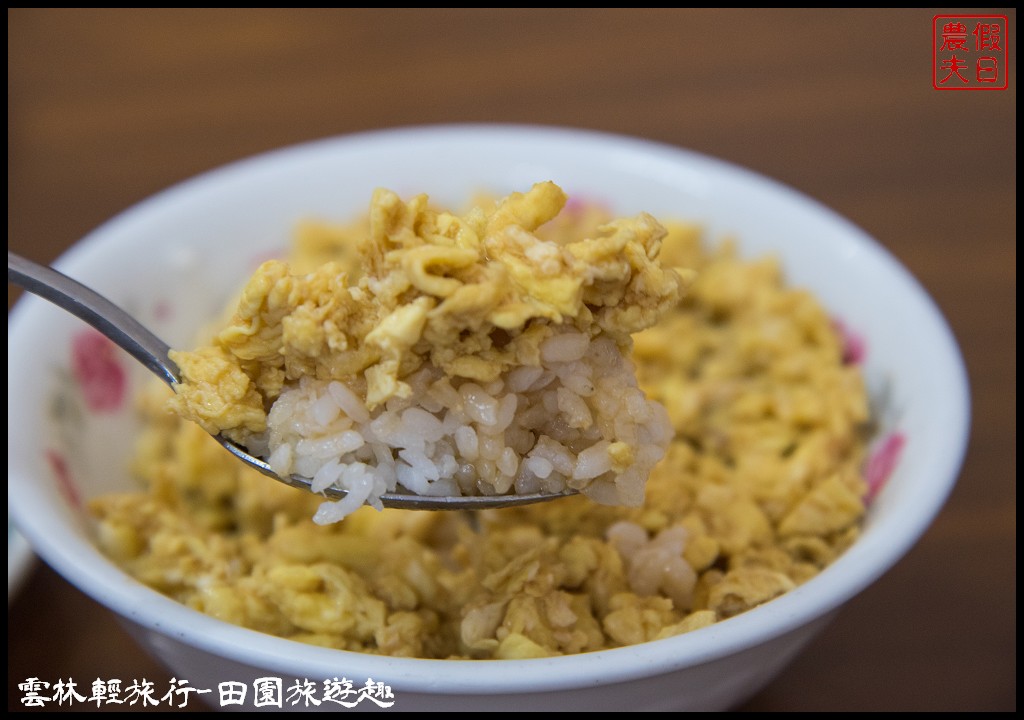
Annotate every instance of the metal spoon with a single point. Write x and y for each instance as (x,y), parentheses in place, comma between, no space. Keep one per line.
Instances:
(126,332)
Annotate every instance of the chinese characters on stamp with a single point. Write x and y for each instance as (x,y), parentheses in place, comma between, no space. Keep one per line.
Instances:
(969,52)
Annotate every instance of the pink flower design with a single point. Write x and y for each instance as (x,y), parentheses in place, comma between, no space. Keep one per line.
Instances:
(882,462)
(64,482)
(855,348)
(576,206)
(163,311)
(98,370)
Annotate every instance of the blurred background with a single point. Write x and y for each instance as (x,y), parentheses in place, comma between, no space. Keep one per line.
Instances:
(106,107)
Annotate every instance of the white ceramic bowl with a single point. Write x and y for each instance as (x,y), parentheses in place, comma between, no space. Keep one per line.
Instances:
(20,559)
(174,260)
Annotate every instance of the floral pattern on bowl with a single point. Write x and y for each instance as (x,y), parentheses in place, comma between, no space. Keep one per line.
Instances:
(95,380)
(888,442)
(99,372)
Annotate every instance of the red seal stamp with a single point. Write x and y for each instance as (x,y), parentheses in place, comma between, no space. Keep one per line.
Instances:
(969,52)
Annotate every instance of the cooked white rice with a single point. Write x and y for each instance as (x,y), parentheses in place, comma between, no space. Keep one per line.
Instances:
(578,420)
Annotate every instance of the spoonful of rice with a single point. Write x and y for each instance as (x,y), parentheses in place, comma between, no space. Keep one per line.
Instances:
(126,332)
(452,363)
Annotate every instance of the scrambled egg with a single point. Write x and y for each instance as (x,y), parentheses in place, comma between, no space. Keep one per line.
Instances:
(760,490)
(473,295)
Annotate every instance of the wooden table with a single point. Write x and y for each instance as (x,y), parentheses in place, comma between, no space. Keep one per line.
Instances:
(109,106)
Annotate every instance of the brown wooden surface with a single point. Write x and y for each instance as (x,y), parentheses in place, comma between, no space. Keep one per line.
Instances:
(108,107)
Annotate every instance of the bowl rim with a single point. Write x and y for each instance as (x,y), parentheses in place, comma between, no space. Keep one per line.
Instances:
(20,561)
(845,577)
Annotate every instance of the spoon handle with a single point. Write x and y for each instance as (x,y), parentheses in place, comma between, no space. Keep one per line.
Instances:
(124,330)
